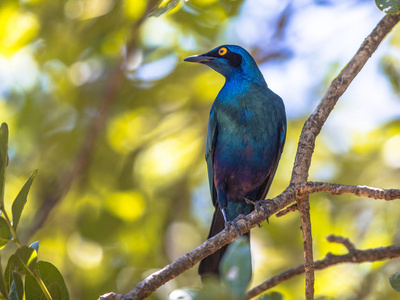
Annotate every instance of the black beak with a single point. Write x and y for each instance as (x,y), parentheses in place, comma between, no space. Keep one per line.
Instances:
(199,58)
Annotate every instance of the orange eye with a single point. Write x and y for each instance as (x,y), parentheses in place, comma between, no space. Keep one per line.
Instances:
(222,51)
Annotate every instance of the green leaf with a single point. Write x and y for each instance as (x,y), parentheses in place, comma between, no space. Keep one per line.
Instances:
(52,279)
(3,287)
(236,267)
(163,7)
(9,269)
(25,260)
(394,280)
(388,6)
(17,287)
(3,159)
(35,245)
(21,199)
(5,233)
(271,296)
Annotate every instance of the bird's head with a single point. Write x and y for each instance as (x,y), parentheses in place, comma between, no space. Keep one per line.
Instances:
(230,61)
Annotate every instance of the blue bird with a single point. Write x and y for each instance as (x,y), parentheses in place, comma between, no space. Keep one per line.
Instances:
(245,138)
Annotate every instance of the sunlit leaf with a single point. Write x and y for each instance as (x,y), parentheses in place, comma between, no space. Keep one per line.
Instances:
(5,233)
(17,287)
(18,27)
(236,267)
(388,6)
(21,199)
(3,159)
(163,7)
(394,280)
(128,206)
(25,259)
(135,9)
(52,279)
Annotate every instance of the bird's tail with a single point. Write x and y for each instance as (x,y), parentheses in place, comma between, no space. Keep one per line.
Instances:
(209,266)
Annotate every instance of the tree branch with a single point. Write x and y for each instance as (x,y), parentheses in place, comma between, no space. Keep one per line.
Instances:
(359,190)
(341,240)
(339,85)
(297,188)
(354,256)
(313,126)
(159,278)
(287,210)
(303,205)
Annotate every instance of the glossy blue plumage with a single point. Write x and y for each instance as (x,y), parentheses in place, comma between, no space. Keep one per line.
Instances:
(245,138)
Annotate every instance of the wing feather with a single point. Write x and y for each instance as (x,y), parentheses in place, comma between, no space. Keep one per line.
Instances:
(212,134)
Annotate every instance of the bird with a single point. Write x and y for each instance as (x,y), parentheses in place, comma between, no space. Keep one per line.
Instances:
(245,139)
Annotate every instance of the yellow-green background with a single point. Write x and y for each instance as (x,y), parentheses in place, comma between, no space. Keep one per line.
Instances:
(142,198)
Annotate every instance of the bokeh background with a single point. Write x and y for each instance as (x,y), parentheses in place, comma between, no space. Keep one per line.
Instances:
(97,97)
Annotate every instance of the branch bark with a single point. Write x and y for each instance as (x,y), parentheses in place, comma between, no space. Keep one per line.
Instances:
(287,210)
(313,126)
(159,278)
(359,190)
(303,205)
(298,188)
(354,256)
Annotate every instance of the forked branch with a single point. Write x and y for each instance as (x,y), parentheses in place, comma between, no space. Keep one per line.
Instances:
(354,256)
(298,188)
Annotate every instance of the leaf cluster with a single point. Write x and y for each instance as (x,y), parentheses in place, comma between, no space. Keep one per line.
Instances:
(42,279)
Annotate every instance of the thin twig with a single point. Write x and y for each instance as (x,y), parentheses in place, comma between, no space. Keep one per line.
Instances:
(303,205)
(358,190)
(354,256)
(293,192)
(287,210)
(313,126)
(339,189)
(155,280)
(244,224)
(341,240)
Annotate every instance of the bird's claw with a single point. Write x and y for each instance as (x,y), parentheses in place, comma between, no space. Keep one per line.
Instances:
(247,200)
(262,206)
(233,224)
(259,206)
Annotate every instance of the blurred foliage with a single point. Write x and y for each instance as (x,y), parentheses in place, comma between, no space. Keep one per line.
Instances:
(236,267)
(235,276)
(40,282)
(139,199)
(271,296)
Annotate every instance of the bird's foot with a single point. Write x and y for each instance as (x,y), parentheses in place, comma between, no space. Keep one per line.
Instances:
(259,206)
(234,222)
(247,200)
(262,206)
(229,224)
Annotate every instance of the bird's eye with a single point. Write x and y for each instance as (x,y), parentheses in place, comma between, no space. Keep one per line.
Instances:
(222,51)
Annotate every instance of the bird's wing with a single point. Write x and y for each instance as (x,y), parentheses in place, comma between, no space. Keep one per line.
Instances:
(212,133)
(267,183)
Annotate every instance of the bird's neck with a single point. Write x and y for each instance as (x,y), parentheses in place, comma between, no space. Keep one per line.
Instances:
(242,79)
(238,82)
